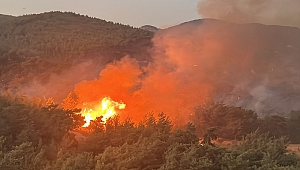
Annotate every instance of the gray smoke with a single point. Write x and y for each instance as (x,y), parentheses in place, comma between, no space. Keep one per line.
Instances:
(59,85)
(270,12)
(246,65)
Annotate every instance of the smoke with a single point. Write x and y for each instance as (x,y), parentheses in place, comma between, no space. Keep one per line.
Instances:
(57,85)
(250,66)
(154,88)
(270,12)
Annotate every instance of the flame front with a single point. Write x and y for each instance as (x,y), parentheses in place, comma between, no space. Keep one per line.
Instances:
(106,109)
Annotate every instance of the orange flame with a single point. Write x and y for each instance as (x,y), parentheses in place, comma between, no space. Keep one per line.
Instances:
(106,109)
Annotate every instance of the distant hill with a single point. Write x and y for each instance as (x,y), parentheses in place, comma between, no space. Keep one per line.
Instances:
(32,47)
(64,34)
(149,28)
(5,17)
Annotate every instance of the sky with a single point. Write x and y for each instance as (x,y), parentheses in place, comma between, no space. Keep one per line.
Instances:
(159,13)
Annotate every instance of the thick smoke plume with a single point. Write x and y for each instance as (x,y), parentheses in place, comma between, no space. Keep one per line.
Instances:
(251,66)
(157,88)
(270,12)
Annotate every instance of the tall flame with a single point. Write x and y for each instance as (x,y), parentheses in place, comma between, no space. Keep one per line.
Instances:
(106,109)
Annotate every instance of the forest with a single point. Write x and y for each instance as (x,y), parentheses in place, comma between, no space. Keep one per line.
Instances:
(43,51)
(36,134)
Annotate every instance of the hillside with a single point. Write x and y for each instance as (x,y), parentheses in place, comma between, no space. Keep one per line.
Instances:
(64,34)
(5,17)
(149,28)
(252,66)
(32,47)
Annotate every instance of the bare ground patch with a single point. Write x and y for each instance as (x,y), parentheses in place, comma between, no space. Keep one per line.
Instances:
(294,148)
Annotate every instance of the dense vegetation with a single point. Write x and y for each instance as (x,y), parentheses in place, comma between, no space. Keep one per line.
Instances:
(234,122)
(32,47)
(38,135)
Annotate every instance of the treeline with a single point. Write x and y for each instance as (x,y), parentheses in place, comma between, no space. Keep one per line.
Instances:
(38,135)
(233,123)
(33,47)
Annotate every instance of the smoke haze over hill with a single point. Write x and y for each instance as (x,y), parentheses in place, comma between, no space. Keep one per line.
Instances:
(270,12)
(250,65)
(253,66)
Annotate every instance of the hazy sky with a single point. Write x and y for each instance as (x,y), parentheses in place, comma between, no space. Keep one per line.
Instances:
(160,13)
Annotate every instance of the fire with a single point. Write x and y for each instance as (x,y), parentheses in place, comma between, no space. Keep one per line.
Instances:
(106,109)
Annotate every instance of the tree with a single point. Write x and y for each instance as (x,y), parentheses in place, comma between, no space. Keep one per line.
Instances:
(261,151)
(193,157)
(274,125)
(21,157)
(187,136)
(230,122)
(209,136)
(294,126)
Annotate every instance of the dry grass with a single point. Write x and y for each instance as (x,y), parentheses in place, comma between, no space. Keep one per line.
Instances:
(228,143)
(223,142)
(294,148)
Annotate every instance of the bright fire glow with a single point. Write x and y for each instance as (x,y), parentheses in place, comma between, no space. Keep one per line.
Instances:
(106,109)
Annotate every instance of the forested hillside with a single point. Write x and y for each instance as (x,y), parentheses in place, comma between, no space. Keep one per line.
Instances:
(32,47)
(60,35)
